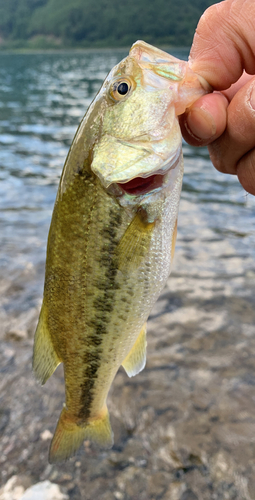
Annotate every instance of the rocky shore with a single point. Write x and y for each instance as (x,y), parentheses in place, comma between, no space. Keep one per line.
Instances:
(184,428)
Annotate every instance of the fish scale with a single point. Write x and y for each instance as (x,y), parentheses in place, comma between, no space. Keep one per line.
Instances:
(111,241)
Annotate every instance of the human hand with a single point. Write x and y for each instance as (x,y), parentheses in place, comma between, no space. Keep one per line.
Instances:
(223,47)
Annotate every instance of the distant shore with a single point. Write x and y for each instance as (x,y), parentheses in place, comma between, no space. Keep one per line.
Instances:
(65,49)
(43,43)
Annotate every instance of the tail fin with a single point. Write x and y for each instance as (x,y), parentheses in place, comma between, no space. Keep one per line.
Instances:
(69,436)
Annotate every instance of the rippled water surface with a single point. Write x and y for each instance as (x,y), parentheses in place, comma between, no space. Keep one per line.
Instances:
(42,99)
(196,408)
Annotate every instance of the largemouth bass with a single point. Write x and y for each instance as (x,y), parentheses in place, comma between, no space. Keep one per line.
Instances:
(112,237)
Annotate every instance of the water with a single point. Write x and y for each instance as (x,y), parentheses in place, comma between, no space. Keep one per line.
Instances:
(201,331)
(42,99)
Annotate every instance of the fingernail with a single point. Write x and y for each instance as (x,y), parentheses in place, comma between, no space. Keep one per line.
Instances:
(201,124)
(252,97)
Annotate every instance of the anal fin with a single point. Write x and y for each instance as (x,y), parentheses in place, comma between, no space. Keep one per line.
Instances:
(45,358)
(136,358)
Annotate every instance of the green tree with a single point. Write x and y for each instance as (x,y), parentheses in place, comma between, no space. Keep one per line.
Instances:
(102,22)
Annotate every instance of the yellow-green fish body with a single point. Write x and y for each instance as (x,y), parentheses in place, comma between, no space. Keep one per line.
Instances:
(112,237)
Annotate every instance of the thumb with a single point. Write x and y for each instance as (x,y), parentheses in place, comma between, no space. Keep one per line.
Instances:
(224,43)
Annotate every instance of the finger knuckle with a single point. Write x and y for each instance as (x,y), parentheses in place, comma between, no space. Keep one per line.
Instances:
(219,158)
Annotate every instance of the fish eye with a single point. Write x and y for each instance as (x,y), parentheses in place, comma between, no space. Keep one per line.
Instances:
(120,89)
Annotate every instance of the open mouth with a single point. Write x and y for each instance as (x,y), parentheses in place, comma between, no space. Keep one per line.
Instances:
(141,185)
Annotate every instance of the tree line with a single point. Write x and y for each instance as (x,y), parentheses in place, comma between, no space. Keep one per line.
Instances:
(98,23)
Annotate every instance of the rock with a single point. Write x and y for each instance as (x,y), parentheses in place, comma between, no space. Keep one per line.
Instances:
(174,491)
(16,335)
(21,327)
(44,490)
(4,419)
(45,435)
(189,495)
(14,488)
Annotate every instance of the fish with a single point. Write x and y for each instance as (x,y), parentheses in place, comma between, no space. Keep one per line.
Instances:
(112,237)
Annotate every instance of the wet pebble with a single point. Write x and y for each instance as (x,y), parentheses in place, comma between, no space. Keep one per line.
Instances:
(189,495)
(15,488)
(44,491)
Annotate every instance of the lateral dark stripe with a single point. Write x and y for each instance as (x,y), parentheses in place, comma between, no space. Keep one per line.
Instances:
(103,306)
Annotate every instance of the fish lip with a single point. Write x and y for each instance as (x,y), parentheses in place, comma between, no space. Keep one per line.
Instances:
(153,181)
(169,164)
(166,165)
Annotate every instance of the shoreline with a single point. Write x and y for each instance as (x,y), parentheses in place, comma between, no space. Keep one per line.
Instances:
(64,50)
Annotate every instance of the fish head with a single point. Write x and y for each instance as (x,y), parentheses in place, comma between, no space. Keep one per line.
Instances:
(139,142)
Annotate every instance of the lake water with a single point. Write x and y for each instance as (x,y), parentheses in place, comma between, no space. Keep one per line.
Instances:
(196,399)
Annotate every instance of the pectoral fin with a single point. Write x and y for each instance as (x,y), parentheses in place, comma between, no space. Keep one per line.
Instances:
(136,358)
(45,358)
(135,243)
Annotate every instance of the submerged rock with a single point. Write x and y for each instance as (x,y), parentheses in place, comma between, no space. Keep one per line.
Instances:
(44,490)
(15,489)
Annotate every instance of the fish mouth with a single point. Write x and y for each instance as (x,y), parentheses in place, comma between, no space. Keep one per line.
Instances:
(141,185)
